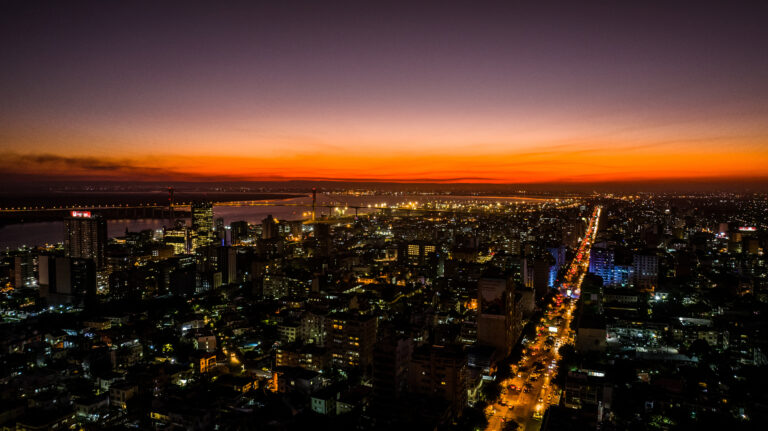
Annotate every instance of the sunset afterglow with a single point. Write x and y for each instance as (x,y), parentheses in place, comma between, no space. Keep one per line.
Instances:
(272,92)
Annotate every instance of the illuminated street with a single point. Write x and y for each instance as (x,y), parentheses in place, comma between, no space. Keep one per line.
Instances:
(526,396)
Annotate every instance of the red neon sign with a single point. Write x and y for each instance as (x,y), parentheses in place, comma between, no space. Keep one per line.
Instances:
(82,214)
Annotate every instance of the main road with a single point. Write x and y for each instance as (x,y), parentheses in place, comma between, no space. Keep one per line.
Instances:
(526,395)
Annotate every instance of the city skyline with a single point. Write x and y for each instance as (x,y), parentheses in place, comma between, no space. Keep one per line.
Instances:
(491,93)
(346,215)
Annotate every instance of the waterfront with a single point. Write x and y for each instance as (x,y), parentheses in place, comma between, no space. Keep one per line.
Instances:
(41,233)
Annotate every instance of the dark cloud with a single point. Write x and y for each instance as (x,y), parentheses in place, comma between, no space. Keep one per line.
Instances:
(87,163)
(52,165)
(46,165)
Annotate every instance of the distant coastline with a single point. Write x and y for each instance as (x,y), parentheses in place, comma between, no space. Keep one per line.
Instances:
(95,198)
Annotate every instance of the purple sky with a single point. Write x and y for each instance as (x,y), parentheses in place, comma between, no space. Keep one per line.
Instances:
(271,82)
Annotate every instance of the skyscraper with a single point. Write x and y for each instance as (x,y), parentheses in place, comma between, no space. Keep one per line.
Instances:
(202,222)
(85,236)
(238,232)
(221,232)
(227,264)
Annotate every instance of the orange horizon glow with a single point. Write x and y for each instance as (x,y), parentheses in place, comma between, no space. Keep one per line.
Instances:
(510,93)
(581,164)
(440,147)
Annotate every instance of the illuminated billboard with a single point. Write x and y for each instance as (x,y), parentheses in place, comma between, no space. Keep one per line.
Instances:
(81,214)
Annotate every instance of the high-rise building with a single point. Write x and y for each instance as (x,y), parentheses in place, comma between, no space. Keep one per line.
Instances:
(269,228)
(391,357)
(601,263)
(542,274)
(309,357)
(65,280)
(645,271)
(560,255)
(85,236)
(288,332)
(178,238)
(312,329)
(239,233)
(24,270)
(7,277)
(227,264)
(417,253)
(275,286)
(220,231)
(53,275)
(323,238)
(202,223)
(496,322)
(296,228)
(526,271)
(513,245)
(350,339)
(215,266)
(440,371)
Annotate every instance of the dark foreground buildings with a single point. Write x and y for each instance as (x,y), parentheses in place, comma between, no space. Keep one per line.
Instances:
(435,318)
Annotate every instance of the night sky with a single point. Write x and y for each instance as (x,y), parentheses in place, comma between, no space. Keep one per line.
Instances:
(435,91)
